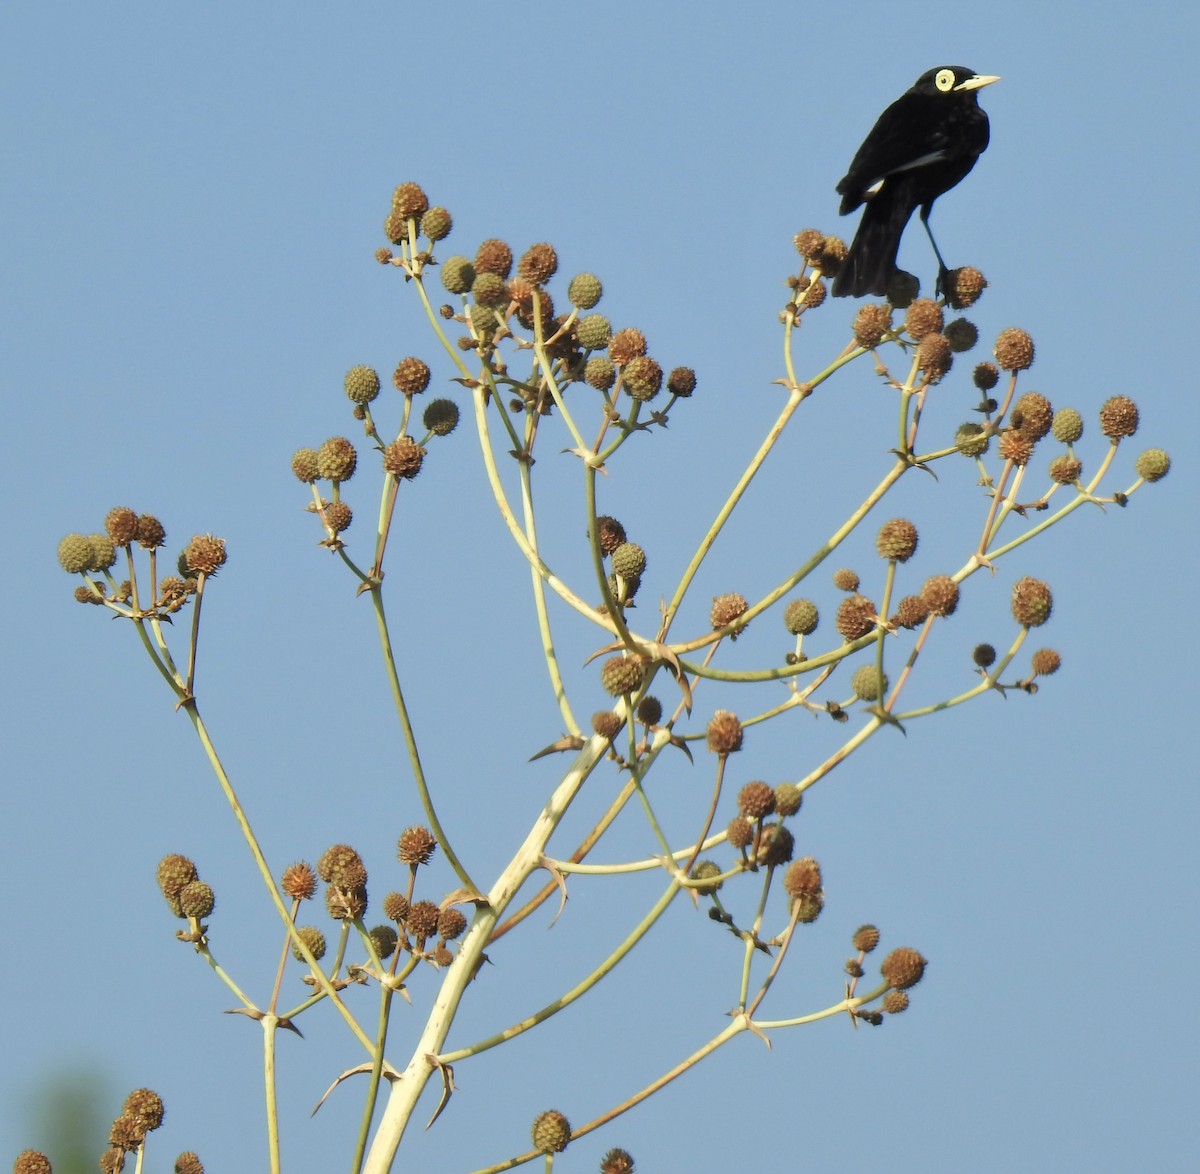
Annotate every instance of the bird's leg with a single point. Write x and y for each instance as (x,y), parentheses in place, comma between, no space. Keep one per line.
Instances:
(942,285)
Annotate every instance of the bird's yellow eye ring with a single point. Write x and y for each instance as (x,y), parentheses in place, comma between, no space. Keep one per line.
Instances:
(944,80)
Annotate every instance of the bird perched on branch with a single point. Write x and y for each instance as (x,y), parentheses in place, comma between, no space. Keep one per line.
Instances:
(923,144)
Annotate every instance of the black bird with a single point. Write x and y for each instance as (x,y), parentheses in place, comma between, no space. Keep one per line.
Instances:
(922,145)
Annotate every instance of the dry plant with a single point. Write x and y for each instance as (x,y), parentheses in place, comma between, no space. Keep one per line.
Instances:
(539,369)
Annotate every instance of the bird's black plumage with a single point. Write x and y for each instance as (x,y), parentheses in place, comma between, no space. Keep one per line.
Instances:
(922,145)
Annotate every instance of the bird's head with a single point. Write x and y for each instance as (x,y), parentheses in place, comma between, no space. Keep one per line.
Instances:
(953,79)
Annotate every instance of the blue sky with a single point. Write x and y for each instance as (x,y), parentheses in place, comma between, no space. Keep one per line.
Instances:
(192,198)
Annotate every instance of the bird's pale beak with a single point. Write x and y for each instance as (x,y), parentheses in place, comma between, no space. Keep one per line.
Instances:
(977,82)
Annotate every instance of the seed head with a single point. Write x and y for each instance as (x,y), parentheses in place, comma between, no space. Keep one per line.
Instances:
(600,372)
(1014,350)
(903,968)
(395,907)
(458,275)
(451,923)
(337,459)
(800,617)
(703,870)
(306,465)
(866,938)
(775,845)
(384,939)
(642,377)
(188,1163)
(441,417)
(756,800)
(845,579)
(1153,465)
(539,264)
(897,540)
(410,201)
(803,878)
(411,376)
(205,554)
(1118,417)
(621,674)
(490,289)
(629,561)
(1067,426)
(681,382)
(75,554)
(1033,415)
(871,323)
(894,1002)
(649,710)
(972,439)
(724,733)
(831,256)
(1065,470)
(626,345)
(1046,662)
(606,723)
(740,832)
(868,684)
(593,332)
(196,899)
(1015,446)
(415,846)
(809,242)
(173,873)
(726,609)
(935,356)
(584,290)
(403,458)
(340,865)
(855,617)
(940,595)
(962,335)
(985,376)
(422,920)
(924,317)
(551,1132)
(788,799)
(35,1162)
(436,223)
(966,285)
(146,1106)
(609,533)
(299,881)
(121,525)
(494,256)
(911,612)
(362,384)
(150,532)
(1032,602)
(984,655)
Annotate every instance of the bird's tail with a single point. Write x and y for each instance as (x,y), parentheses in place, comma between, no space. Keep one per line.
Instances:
(871,261)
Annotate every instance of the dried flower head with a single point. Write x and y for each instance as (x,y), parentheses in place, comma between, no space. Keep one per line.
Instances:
(727,609)
(416,846)
(724,733)
(903,968)
(403,458)
(1032,602)
(855,617)
(1014,349)
(299,881)
(1118,417)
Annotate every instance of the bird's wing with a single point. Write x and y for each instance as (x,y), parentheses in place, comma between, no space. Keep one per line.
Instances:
(904,138)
